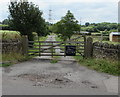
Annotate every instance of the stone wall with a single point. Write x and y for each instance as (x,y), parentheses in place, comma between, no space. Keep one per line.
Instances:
(9,46)
(106,51)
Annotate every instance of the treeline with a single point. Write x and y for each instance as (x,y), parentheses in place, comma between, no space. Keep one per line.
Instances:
(4,25)
(27,18)
(97,27)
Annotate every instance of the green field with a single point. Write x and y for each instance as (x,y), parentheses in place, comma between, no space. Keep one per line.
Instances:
(6,34)
(1,25)
(105,39)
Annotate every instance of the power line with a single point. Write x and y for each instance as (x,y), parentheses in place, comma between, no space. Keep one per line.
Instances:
(50,15)
(80,21)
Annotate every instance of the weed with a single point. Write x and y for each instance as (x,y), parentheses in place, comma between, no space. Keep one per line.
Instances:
(53,61)
(5,64)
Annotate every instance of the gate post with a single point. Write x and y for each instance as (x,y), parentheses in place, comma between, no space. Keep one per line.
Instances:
(25,45)
(88,48)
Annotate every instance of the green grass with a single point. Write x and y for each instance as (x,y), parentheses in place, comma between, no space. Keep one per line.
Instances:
(6,34)
(12,58)
(96,39)
(110,42)
(5,65)
(101,65)
(58,38)
(1,25)
(40,39)
(55,59)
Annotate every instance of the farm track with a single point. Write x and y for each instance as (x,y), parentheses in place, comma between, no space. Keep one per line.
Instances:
(39,77)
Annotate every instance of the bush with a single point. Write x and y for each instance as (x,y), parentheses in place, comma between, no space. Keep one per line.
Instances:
(105,38)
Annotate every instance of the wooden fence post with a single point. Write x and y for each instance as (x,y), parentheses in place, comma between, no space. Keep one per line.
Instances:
(52,49)
(25,45)
(85,46)
(89,47)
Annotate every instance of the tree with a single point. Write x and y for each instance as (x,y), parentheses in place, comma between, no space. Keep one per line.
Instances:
(5,22)
(87,24)
(67,26)
(118,27)
(26,18)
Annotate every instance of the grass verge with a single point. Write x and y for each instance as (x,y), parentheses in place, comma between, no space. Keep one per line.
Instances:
(54,60)
(12,58)
(101,65)
(6,34)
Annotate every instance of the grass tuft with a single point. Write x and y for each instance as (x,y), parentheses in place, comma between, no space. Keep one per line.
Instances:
(55,59)
(101,65)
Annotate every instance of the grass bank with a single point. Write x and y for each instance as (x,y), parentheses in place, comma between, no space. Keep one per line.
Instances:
(6,34)
(101,65)
(12,58)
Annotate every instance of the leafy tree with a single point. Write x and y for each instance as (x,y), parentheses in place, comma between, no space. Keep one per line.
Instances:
(87,24)
(119,27)
(97,27)
(67,26)
(5,22)
(94,24)
(107,26)
(26,18)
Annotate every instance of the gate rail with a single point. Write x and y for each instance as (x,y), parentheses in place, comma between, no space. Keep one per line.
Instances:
(47,48)
(57,48)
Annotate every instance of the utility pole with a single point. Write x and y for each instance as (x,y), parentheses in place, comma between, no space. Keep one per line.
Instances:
(50,16)
(80,23)
(23,0)
(19,0)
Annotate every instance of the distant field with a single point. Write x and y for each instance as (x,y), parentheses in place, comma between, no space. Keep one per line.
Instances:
(3,25)
(98,39)
(6,34)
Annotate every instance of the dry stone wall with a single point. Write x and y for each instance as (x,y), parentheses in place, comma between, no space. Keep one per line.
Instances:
(9,46)
(107,51)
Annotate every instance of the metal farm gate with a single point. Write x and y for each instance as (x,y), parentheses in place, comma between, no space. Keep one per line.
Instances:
(73,47)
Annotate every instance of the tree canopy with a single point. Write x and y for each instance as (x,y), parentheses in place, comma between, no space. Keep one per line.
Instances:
(87,24)
(26,18)
(97,27)
(5,22)
(67,26)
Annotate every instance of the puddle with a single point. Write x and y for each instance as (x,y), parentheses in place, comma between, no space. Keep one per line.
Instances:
(54,80)
(34,77)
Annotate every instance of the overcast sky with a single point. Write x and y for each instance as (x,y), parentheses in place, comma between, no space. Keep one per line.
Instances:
(88,10)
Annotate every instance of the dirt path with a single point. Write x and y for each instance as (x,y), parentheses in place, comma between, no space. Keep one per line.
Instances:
(39,77)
